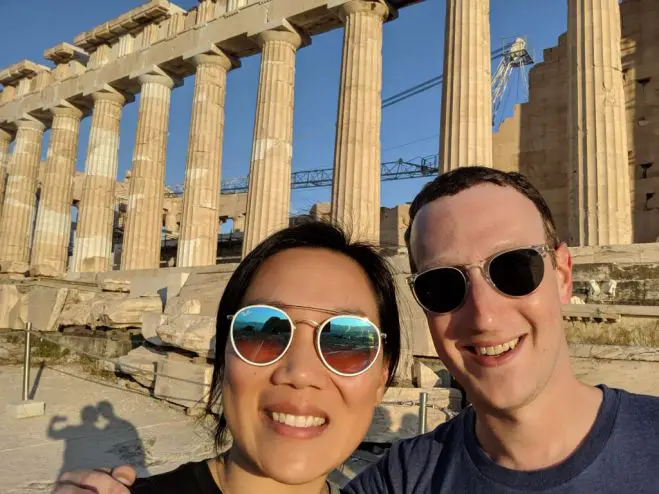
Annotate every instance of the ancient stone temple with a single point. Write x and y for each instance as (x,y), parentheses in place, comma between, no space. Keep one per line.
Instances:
(150,50)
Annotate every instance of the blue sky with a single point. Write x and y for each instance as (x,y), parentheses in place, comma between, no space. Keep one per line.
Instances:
(412,53)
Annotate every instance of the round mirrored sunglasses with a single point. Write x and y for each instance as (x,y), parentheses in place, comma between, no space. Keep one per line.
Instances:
(513,273)
(348,345)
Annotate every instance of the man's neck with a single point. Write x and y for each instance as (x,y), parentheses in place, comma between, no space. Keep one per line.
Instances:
(544,432)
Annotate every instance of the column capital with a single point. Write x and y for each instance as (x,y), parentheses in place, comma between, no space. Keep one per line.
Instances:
(289,36)
(29,122)
(6,135)
(215,56)
(109,93)
(66,109)
(378,8)
(156,75)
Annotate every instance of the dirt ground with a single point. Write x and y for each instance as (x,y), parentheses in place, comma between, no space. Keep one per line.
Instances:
(103,423)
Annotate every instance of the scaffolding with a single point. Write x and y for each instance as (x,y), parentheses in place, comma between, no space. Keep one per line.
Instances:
(512,55)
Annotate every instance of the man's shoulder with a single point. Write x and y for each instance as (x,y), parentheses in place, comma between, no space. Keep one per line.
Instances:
(638,409)
(411,463)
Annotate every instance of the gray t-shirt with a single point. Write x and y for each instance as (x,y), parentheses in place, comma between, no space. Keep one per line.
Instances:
(619,455)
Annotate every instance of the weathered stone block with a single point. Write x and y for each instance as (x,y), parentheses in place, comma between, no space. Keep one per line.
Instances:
(398,414)
(424,376)
(111,285)
(125,313)
(45,306)
(141,364)
(190,332)
(183,383)
(26,409)
(151,321)
(10,308)
(77,309)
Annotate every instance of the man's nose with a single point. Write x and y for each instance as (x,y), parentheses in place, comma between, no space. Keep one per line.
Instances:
(483,301)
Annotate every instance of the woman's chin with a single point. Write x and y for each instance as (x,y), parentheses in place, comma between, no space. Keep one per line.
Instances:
(295,471)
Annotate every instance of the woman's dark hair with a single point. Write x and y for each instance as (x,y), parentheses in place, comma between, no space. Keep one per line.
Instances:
(309,234)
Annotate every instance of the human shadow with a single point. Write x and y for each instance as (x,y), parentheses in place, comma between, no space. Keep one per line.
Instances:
(101,438)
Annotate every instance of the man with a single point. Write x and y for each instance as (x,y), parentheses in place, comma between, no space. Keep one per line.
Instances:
(492,276)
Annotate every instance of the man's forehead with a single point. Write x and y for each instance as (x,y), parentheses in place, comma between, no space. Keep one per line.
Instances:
(475,222)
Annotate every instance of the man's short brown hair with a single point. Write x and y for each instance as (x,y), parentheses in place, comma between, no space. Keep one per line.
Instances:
(455,181)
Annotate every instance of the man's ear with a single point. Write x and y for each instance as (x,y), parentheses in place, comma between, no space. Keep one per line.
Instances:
(564,273)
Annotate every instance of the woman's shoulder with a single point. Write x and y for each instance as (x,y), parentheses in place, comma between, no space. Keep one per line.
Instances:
(189,477)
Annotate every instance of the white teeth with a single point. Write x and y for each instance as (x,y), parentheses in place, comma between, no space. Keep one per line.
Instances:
(497,350)
(301,421)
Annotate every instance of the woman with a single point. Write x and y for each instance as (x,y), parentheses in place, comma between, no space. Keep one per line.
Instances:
(309,327)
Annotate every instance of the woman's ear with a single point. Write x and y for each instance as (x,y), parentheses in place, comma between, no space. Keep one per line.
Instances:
(382,384)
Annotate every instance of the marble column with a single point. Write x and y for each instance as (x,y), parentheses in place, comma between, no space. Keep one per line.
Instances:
(143,231)
(92,248)
(197,244)
(466,121)
(53,226)
(269,192)
(5,140)
(598,172)
(356,182)
(20,197)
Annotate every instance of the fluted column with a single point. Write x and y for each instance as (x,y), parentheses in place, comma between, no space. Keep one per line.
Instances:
(466,124)
(197,244)
(92,248)
(598,170)
(20,197)
(143,231)
(356,182)
(269,193)
(53,226)
(5,140)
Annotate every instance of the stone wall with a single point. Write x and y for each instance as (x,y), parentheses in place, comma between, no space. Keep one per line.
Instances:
(534,140)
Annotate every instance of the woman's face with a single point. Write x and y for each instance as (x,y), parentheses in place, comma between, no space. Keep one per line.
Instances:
(299,384)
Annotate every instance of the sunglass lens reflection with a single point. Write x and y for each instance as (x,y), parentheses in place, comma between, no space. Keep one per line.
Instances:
(261,334)
(349,344)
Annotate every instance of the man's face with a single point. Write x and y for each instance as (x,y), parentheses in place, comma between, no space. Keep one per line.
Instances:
(465,229)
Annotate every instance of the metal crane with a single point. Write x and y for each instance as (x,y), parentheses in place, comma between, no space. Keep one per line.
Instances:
(512,55)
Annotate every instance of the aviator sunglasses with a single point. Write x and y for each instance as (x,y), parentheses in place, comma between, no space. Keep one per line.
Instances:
(513,273)
(348,345)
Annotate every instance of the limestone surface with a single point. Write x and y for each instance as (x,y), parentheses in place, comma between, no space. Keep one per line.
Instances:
(356,180)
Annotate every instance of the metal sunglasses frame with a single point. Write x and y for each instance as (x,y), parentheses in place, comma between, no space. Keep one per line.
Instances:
(484,266)
(318,328)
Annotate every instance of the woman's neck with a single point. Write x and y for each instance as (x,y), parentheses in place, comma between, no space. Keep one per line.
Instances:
(233,477)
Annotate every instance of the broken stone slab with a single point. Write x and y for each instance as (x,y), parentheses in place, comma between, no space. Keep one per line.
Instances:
(191,307)
(45,271)
(425,377)
(190,332)
(151,321)
(13,314)
(14,269)
(205,287)
(45,306)
(393,422)
(141,364)
(124,313)
(110,285)
(397,416)
(77,309)
(183,383)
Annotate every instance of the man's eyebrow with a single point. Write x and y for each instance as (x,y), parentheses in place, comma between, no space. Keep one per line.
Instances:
(283,305)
